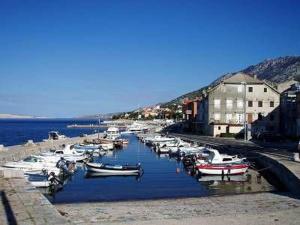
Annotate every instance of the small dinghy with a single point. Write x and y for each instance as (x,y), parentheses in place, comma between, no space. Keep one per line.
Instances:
(114,170)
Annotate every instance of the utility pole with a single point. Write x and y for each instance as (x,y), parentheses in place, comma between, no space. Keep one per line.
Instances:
(245,121)
(99,120)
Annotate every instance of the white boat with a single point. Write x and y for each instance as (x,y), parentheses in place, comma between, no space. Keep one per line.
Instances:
(30,163)
(221,164)
(112,170)
(90,148)
(222,169)
(157,140)
(107,146)
(68,152)
(216,158)
(137,128)
(112,133)
(54,135)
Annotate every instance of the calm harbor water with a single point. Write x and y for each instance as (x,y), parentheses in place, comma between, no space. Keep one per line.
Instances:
(164,177)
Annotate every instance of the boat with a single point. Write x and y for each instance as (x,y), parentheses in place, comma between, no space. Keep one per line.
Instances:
(215,157)
(108,169)
(30,163)
(112,133)
(221,164)
(54,135)
(136,128)
(38,164)
(68,152)
(222,169)
(90,148)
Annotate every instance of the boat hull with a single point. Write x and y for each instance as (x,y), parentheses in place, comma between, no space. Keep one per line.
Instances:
(95,168)
(210,169)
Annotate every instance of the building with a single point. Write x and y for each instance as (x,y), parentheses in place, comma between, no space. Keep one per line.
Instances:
(288,111)
(298,113)
(190,111)
(224,107)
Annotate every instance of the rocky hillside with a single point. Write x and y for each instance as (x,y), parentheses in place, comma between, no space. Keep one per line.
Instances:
(276,70)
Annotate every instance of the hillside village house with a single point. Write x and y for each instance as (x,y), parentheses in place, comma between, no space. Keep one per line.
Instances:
(222,108)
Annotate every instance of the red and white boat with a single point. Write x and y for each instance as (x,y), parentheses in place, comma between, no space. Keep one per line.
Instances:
(222,169)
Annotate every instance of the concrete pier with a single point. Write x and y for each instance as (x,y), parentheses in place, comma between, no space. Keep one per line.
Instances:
(21,203)
(18,152)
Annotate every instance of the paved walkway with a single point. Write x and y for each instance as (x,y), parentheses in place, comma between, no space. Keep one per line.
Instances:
(21,203)
(263,208)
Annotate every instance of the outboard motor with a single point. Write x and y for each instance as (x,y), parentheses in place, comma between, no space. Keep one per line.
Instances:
(62,164)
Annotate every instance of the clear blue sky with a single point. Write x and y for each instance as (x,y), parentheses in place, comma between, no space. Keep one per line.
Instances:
(68,58)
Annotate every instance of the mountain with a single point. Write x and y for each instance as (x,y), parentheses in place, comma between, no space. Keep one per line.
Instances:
(14,116)
(97,116)
(278,70)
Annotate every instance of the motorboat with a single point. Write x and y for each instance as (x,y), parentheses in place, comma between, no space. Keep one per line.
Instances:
(38,164)
(157,140)
(32,162)
(137,128)
(112,133)
(216,158)
(107,146)
(68,152)
(222,169)
(221,164)
(55,135)
(111,170)
(42,180)
(90,148)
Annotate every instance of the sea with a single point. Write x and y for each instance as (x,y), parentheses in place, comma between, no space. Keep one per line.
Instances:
(163,177)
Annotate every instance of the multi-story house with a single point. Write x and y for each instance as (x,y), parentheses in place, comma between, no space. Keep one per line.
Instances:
(298,113)
(238,99)
(190,111)
(288,111)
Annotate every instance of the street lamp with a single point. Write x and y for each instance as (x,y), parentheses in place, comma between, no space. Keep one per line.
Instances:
(245,122)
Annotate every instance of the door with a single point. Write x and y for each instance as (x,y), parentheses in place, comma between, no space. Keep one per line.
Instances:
(250,118)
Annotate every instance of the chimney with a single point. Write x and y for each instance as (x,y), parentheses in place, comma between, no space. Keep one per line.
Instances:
(255,76)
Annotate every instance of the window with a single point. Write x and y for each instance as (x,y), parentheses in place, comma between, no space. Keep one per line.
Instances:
(217,116)
(260,116)
(260,104)
(240,103)
(217,103)
(250,103)
(265,90)
(240,118)
(271,104)
(240,88)
(228,117)
(219,128)
(229,104)
(250,89)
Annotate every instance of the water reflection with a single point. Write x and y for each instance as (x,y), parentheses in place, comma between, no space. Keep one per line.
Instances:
(164,177)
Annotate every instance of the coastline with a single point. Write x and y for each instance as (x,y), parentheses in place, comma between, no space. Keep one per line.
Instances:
(257,208)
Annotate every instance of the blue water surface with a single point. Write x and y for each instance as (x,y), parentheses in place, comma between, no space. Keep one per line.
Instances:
(19,131)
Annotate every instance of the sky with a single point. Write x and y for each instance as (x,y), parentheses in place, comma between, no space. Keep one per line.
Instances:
(65,58)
